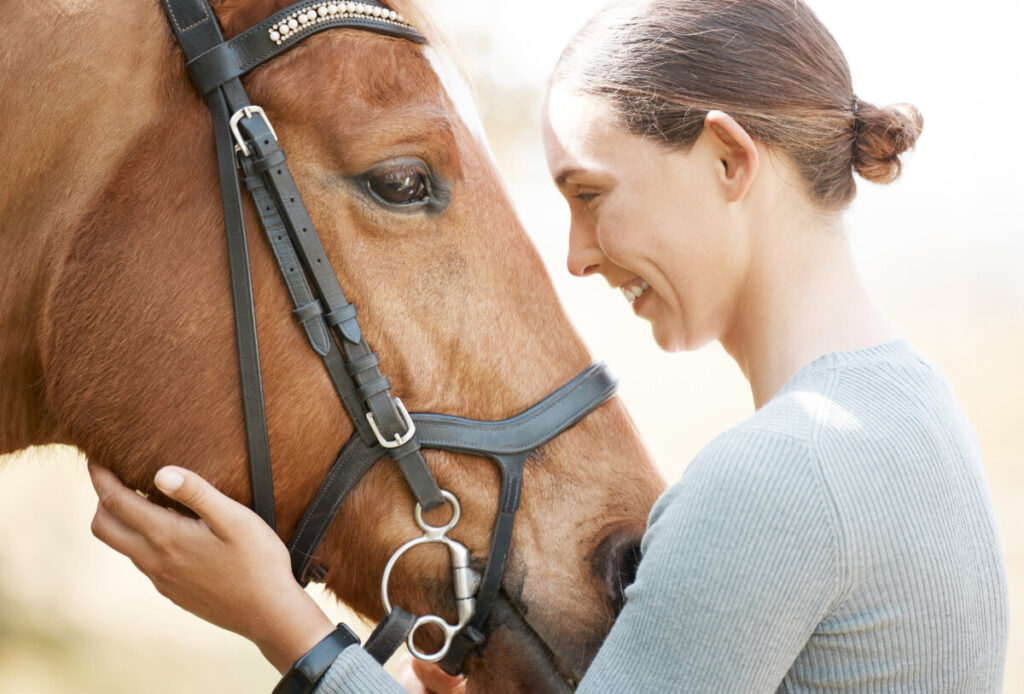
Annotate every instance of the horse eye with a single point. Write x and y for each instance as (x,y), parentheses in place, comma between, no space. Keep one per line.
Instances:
(400,185)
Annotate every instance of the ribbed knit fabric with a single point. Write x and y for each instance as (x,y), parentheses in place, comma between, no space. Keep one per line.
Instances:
(842,539)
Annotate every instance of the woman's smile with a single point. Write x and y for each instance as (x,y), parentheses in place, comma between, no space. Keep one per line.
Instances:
(635,292)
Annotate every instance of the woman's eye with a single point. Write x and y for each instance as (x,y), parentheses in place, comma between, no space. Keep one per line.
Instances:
(585,197)
(400,185)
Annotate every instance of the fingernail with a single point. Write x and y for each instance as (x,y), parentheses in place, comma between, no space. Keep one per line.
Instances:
(168,480)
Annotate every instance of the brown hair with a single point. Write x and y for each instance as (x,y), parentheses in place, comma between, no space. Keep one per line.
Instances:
(770,64)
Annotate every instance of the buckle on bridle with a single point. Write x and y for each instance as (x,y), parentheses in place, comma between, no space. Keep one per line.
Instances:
(399,439)
(247,112)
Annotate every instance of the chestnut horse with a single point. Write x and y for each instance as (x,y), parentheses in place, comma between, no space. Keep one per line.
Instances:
(116,329)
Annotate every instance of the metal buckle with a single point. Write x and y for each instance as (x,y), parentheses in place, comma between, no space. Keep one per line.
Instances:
(465,581)
(399,438)
(247,112)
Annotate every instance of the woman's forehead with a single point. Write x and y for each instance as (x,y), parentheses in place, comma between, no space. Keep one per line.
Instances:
(584,136)
(580,131)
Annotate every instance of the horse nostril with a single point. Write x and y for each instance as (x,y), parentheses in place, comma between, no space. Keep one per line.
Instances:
(629,559)
(617,558)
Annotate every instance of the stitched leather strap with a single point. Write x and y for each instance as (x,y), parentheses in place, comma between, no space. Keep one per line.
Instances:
(308,311)
(348,468)
(372,386)
(197,30)
(471,635)
(389,634)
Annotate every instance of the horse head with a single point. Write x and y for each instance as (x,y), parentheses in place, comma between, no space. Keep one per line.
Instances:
(133,342)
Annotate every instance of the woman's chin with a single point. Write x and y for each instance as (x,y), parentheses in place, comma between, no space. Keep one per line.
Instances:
(669,339)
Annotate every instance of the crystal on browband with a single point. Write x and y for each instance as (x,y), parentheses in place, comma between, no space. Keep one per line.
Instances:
(311,15)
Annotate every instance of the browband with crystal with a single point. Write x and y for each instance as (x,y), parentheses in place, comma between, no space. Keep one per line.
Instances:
(282,30)
(307,17)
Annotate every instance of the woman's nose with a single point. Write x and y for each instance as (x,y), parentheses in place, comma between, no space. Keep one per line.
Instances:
(585,255)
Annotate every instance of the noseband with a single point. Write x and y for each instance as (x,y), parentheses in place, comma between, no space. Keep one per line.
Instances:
(246,141)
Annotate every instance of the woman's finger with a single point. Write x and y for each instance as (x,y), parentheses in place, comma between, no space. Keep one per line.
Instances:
(221,513)
(125,505)
(107,528)
(407,677)
(437,680)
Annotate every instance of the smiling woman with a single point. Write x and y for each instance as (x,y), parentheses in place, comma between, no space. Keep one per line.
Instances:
(625,196)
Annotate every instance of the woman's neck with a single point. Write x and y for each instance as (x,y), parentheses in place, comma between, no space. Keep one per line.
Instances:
(803,298)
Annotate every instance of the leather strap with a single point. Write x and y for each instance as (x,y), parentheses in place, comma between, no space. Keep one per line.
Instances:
(471,636)
(500,441)
(303,676)
(372,386)
(234,58)
(389,634)
(527,430)
(348,468)
(308,311)
(196,29)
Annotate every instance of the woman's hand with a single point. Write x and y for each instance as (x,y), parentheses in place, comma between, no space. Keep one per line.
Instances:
(227,567)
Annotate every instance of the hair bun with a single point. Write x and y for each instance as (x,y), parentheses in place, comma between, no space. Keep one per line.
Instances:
(882,135)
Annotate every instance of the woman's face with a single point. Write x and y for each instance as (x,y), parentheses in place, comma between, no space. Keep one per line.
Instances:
(656,223)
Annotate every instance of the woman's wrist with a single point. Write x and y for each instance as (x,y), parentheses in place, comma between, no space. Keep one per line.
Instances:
(295,626)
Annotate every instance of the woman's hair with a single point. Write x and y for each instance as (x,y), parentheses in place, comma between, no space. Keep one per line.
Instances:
(770,64)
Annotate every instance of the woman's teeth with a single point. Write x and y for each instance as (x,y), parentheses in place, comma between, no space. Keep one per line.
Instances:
(634,290)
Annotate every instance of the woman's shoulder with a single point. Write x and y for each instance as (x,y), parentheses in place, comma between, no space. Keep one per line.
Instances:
(751,498)
(762,470)
(838,416)
(877,394)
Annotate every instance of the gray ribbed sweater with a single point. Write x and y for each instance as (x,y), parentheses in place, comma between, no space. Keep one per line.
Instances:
(842,539)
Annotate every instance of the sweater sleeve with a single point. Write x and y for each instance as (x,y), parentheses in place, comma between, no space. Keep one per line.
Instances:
(740,563)
(356,672)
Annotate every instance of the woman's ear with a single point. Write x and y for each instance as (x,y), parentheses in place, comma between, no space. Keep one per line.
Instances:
(736,152)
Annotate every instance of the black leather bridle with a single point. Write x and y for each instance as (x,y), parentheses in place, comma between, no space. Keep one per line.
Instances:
(246,141)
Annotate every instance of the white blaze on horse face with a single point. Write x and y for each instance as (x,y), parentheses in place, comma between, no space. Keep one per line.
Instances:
(460,94)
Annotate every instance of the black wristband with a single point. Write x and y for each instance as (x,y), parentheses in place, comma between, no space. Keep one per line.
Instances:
(303,676)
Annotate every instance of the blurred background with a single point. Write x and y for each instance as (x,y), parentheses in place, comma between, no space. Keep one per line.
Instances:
(942,250)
